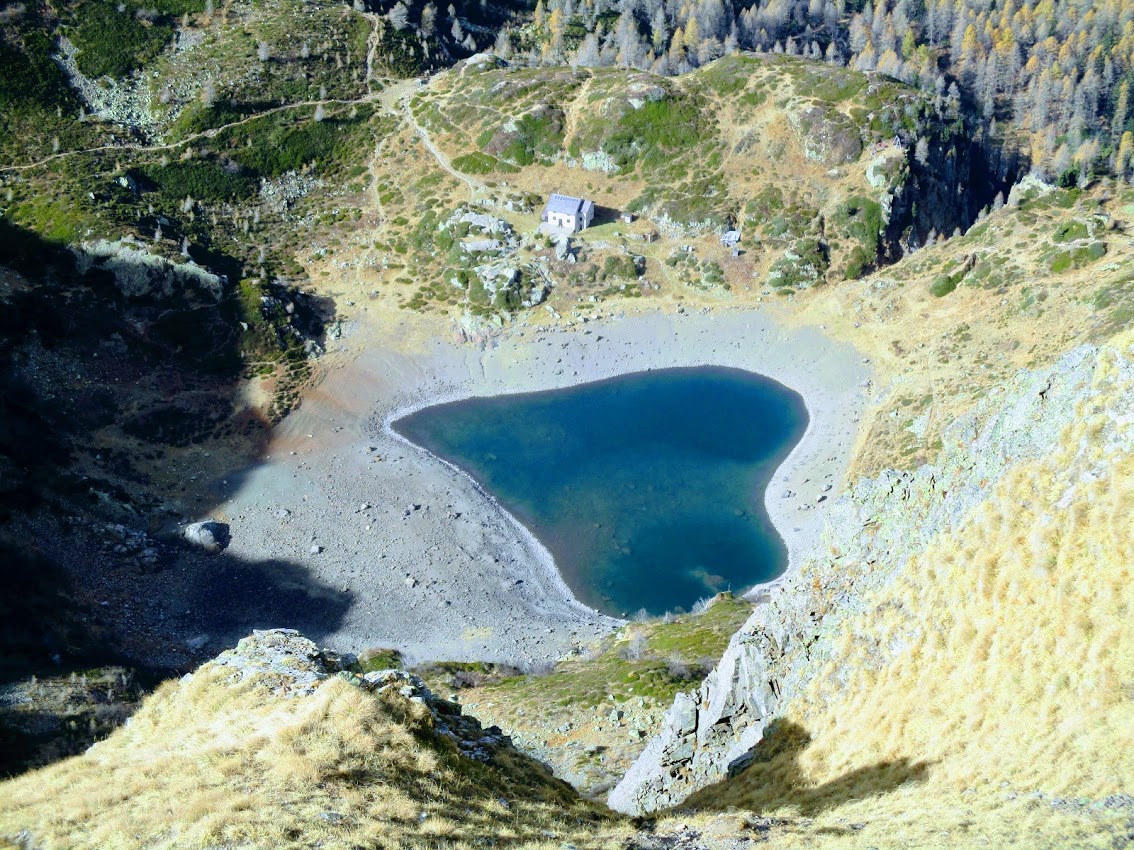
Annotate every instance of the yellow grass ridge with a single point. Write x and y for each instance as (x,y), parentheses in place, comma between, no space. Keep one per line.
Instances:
(290,755)
(984,695)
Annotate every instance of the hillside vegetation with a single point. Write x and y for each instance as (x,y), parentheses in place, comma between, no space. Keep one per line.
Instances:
(1050,81)
(957,319)
(268,747)
(815,166)
(742,141)
(589,715)
(1005,716)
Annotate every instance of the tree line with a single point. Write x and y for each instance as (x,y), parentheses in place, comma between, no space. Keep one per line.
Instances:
(1050,81)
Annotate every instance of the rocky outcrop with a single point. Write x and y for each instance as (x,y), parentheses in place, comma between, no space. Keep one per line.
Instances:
(871,535)
(139,274)
(825,134)
(292,666)
(942,185)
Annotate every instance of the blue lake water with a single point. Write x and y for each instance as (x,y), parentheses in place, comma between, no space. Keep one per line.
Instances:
(648,489)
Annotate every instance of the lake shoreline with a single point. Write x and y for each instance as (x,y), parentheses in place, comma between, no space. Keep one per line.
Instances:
(434,565)
(605,473)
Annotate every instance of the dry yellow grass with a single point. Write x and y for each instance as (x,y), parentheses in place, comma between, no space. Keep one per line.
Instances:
(934,357)
(207,762)
(998,665)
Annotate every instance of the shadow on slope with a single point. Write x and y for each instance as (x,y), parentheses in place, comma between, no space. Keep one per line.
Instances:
(775,779)
(121,384)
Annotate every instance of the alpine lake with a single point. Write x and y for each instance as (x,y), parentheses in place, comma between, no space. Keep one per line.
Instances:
(647,489)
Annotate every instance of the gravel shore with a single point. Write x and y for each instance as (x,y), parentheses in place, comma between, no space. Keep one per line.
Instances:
(431,564)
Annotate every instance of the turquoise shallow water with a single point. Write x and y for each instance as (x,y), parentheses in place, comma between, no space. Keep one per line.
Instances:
(647,488)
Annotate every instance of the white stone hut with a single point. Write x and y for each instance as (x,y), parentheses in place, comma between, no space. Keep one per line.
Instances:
(568,213)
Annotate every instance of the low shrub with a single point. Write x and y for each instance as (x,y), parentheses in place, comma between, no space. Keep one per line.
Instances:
(861,219)
(1073,259)
(623,266)
(113,40)
(859,262)
(1069,231)
(475,163)
(202,179)
(30,75)
(654,132)
(285,149)
(942,285)
(380,659)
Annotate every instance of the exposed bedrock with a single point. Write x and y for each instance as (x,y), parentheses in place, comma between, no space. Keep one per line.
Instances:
(870,537)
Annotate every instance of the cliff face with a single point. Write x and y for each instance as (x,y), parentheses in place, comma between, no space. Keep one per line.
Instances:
(1068,427)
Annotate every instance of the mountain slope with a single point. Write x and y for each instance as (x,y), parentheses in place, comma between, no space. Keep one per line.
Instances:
(961,649)
(269,746)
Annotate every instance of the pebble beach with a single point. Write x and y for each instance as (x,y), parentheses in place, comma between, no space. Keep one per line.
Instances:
(433,565)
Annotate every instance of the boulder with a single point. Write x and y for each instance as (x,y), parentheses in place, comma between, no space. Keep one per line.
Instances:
(563,248)
(827,136)
(683,716)
(210,535)
(480,246)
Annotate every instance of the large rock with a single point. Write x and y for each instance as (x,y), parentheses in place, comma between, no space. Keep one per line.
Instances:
(209,535)
(485,223)
(281,659)
(827,135)
(140,274)
(480,246)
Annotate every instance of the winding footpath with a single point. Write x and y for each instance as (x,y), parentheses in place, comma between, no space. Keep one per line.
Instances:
(403,100)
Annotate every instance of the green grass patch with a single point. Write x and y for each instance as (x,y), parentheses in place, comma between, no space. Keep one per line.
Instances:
(372,660)
(475,163)
(201,179)
(535,135)
(728,75)
(830,84)
(653,659)
(1070,231)
(1078,257)
(655,132)
(942,285)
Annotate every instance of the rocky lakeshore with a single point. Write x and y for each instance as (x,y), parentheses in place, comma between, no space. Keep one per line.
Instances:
(430,563)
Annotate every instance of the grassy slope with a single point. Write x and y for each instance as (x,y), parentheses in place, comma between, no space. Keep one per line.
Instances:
(936,355)
(698,150)
(1007,714)
(207,762)
(564,716)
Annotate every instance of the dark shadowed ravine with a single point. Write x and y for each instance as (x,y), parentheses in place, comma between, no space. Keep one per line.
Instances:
(647,489)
